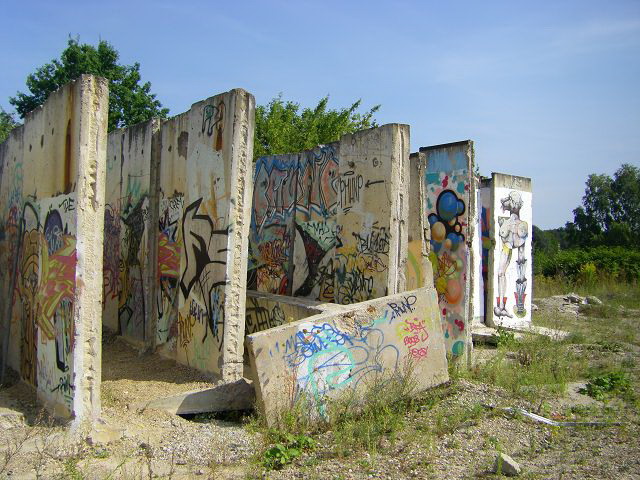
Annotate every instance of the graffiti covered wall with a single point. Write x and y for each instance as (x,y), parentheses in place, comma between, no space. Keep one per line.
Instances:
(204,200)
(449,203)
(293,229)
(510,261)
(362,346)
(127,257)
(52,173)
(485,242)
(371,232)
(329,224)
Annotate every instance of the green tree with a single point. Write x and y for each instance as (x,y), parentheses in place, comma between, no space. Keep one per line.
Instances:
(610,210)
(130,102)
(544,241)
(7,123)
(282,128)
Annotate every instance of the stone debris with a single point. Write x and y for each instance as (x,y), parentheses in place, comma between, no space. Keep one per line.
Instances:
(10,419)
(591,300)
(575,298)
(558,304)
(506,465)
(102,434)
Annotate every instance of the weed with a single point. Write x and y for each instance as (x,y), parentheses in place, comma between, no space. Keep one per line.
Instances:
(607,346)
(533,368)
(506,338)
(602,387)
(286,451)
(71,470)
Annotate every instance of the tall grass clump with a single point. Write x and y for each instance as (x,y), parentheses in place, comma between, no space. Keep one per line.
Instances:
(534,367)
(359,419)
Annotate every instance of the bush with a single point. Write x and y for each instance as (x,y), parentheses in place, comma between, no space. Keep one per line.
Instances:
(589,263)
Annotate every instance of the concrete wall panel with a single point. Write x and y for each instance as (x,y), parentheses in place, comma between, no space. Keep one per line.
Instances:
(372,222)
(127,255)
(329,224)
(326,355)
(204,196)
(52,204)
(510,260)
(449,201)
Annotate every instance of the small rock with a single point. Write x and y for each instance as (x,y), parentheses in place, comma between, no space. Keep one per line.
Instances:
(103,434)
(200,472)
(180,461)
(506,465)
(10,419)
(574,298)
(534,307)
(591,300)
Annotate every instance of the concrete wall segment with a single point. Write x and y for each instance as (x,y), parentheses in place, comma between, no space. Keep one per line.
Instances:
(449,203)
(329,354)
(510,261)
(52,210)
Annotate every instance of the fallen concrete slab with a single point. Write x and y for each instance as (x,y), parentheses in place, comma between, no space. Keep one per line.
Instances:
(489,335)
(324,356)
(238,395)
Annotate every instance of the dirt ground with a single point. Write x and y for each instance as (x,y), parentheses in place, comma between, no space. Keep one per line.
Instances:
(455,433)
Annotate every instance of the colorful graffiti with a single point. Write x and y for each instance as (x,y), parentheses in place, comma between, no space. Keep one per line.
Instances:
(46,290)
(204,270)
(485,231)
(293,228)
(447,189)
(323,356)
(111,253)
(326,358)
(134,250)
(169,253)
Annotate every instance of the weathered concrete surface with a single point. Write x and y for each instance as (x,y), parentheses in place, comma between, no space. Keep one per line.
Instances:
(449,202)
(238,395)
(509,276)
(175,264)
(326,355)
(268,310)
(52,209)
(128,257)
(330,224)
(419,271)
(372,236)
(204,201)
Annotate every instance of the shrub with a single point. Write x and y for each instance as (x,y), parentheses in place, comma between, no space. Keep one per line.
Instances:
(589,263)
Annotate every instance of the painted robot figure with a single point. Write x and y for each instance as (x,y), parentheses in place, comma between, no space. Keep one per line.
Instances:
(514,233)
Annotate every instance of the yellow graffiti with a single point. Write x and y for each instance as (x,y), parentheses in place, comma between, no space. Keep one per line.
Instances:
(185,328)
(57,282)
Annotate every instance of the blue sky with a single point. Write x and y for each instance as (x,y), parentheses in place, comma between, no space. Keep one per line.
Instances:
(549,90)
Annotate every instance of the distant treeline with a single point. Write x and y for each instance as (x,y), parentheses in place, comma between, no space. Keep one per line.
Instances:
(603,239)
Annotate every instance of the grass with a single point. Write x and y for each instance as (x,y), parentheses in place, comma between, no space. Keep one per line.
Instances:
(354,422)
(607,288)
(534,368)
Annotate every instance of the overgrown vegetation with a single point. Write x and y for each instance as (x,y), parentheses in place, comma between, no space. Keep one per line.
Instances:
(609,384)
(534,368)
(590,265)
(282,128)
(604,238)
